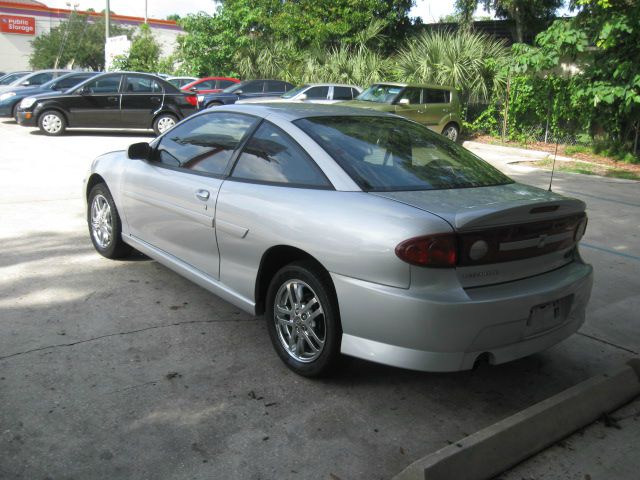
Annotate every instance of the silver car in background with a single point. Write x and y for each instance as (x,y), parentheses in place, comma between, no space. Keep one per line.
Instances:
(323,93)
(353,232)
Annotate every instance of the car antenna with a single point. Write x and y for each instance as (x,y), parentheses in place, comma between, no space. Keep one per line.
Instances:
(553,167)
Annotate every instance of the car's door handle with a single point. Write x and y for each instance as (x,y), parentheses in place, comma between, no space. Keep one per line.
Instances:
(202,195)
(155,99)
(112,99)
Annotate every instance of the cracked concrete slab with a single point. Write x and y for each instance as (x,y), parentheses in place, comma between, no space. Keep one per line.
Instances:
(160,379)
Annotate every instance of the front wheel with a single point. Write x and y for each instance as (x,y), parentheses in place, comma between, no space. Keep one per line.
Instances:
(105,227)
(303,319)
(52,123)
(452,132)
(163,123)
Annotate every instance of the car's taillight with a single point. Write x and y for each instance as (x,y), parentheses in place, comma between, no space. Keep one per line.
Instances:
(581,229)
(436,251)
(192,99)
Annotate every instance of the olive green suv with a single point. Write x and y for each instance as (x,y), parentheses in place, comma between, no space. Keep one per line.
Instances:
(436,107)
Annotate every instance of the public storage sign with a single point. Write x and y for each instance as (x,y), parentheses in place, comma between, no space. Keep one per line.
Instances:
(19,25)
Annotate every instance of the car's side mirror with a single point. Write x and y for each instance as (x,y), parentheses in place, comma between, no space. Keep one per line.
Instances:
(193,89)
(403,101)
(26,83)
(139,151)
(302,97)
(238,92)
(83,91)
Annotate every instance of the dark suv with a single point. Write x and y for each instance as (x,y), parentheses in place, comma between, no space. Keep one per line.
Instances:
(110,100)
(245,89)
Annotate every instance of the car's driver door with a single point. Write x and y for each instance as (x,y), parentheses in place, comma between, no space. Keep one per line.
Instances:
(170,202)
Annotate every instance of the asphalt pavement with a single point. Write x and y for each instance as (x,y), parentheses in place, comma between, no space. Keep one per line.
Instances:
(125,370)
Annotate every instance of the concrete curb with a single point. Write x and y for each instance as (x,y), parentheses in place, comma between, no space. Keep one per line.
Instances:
(497,448)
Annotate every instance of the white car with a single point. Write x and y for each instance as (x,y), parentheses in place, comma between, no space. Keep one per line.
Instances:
(312,93)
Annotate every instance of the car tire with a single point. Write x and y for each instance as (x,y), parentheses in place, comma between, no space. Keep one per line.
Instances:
(452,132)
(52,123)
(303,319)
(164,122)
(14,112)
(105,227)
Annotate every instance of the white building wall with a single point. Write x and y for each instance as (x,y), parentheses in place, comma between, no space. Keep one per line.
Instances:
(15,49)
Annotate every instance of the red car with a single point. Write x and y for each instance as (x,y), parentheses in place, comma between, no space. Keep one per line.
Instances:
(210,84)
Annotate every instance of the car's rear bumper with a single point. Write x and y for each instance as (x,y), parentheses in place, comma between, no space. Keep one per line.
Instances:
(420,331)
(26,118)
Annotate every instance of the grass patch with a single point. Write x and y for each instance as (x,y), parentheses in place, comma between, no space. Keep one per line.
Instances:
(586,168)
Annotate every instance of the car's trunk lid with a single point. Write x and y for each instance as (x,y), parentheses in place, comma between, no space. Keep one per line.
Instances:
(504,232)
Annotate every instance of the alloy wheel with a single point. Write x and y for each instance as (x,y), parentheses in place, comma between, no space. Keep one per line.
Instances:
(300,321)
(451,133)
(101,221)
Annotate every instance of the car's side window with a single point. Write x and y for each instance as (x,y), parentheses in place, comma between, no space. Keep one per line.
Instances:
(69,82)
(206,85)
(252,87)
(40,78)
(275,86)
(225,83)
(411,94)
(204,143)
(342,93)
(109,84)
(140,84)
(435,96)
(317,93)
(355,92)
(271,156)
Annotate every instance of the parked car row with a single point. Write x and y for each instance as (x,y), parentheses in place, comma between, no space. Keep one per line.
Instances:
(140,100)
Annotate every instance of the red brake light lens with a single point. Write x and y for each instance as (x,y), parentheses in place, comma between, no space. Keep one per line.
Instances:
(435,251)
(192,99)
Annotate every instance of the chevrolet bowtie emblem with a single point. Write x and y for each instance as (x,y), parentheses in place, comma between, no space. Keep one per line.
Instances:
(542,239)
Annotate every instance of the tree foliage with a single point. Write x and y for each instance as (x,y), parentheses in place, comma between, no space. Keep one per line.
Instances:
(144,54)
(212,41)
(76,42)
(526,14)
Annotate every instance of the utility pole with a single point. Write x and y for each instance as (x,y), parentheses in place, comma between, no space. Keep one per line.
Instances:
(107,19)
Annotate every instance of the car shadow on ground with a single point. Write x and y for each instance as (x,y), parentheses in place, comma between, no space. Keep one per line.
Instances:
(102,133)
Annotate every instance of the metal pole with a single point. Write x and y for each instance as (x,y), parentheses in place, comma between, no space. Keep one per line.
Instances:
(145,11)
(107,20)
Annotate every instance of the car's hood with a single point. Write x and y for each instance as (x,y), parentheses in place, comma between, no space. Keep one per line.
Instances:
(382,107)
(45,95)
(469,208)
(209,96)
(274,99)
(29,91)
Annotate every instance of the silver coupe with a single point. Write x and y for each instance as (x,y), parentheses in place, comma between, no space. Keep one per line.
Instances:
(354,232)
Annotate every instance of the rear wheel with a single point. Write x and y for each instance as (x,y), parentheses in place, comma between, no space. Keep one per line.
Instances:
(452,132)
(303,320)
(164,122)
(105,227)
(52,123)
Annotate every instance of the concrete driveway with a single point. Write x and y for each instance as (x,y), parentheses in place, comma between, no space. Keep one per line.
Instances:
(124,370)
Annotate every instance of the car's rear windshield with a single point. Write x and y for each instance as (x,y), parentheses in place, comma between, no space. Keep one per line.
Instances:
(394,154)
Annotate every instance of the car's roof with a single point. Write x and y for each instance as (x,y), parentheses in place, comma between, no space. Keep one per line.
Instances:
(415,85)
(329,84)
(295,111)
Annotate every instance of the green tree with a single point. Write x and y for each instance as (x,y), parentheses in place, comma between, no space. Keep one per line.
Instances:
(526,14)
(469,61)
(144,54)
(76,42)
(211,41)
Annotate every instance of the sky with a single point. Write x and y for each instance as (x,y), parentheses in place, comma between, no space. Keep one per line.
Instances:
(429,10)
